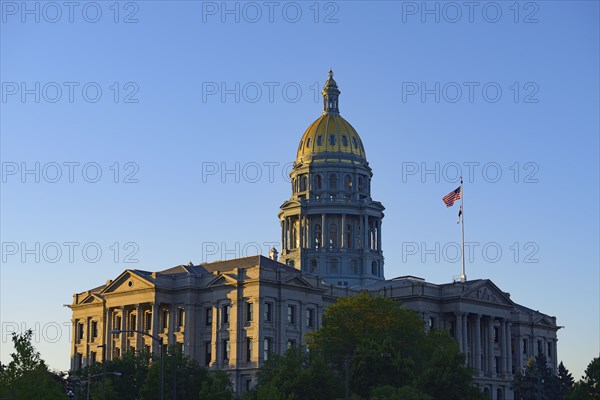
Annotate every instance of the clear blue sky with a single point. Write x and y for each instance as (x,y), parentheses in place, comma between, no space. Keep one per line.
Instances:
(421,86)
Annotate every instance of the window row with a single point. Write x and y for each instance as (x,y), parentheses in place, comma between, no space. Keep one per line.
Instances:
(300,184)
(267,314)
(332,141)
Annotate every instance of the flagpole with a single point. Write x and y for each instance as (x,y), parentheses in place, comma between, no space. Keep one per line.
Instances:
(463,277)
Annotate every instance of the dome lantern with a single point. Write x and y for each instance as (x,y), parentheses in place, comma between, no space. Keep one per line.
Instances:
(331,94)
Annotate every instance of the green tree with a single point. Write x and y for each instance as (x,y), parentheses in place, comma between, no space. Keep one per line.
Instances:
(443,374)
(588,388)
(374,337)
(183,377)
(388,392)
(217,387)
(537,382)
(27,376)
(296,375)
(565,380)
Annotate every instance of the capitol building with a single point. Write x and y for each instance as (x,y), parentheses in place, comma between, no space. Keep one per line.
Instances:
(232,314)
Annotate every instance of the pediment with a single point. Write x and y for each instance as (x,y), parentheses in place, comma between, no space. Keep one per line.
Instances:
(91,298)
(544,321)
(221,279)
(487,292)
(298,281)
(128,281)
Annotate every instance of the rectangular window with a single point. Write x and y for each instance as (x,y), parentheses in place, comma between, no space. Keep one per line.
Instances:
(207,352)
(117,353)
(431,323)
(226,310)
(248,349)
(165,319)
(133,322)
(249,311)
(345,141)
(94,329)
(497,359)
(208,316)
(148,321)
(452,329)
(181,316)
(79,361)
(118,322)
(291,343)
(226,350)
(319,140)
(332,140)
(539,346)
(266,348)
(310,317)
(92,357)
(549,353)
(291,314)
(268,312)
(80,331)
(496,333)
(524,346)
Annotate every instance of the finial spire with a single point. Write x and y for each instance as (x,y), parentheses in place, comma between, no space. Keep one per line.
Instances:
(330,95)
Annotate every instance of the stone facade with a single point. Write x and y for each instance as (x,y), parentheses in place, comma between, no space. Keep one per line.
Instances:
(231,314)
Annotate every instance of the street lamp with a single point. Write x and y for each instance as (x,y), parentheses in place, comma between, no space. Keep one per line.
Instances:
(347,367)
(102,374)
(160,343)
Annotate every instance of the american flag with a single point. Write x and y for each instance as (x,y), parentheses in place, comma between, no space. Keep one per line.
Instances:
(451,197)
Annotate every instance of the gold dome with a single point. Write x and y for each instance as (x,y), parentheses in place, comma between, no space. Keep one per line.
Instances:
(331,138)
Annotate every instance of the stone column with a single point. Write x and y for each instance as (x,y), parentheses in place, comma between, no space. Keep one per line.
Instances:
(343,232)
(324,245)
(190,347)
(379,235)
(477,341)
(214,338)
(108,342)
(301,231)
(123,335)
(503,347)
(74,344)
(465,330)
(171,326)
(490,352)
(509,357)
(367,243)
(282,235)
(519,354)
(139,319)
(155,326)
(458,330)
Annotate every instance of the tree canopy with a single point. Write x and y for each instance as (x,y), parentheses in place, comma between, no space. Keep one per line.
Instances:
(382,350)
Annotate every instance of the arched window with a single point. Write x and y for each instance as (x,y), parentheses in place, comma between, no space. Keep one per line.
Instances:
(332,181)
(360,184)
(348,182)
(374,268)
(313,266)
(333,236)
(317,236)
(318,182)
(303,183)
(354,267)
(333,266)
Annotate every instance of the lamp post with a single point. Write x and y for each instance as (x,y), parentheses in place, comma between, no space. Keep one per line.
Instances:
(160,343)
(102,374)
(347,368)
